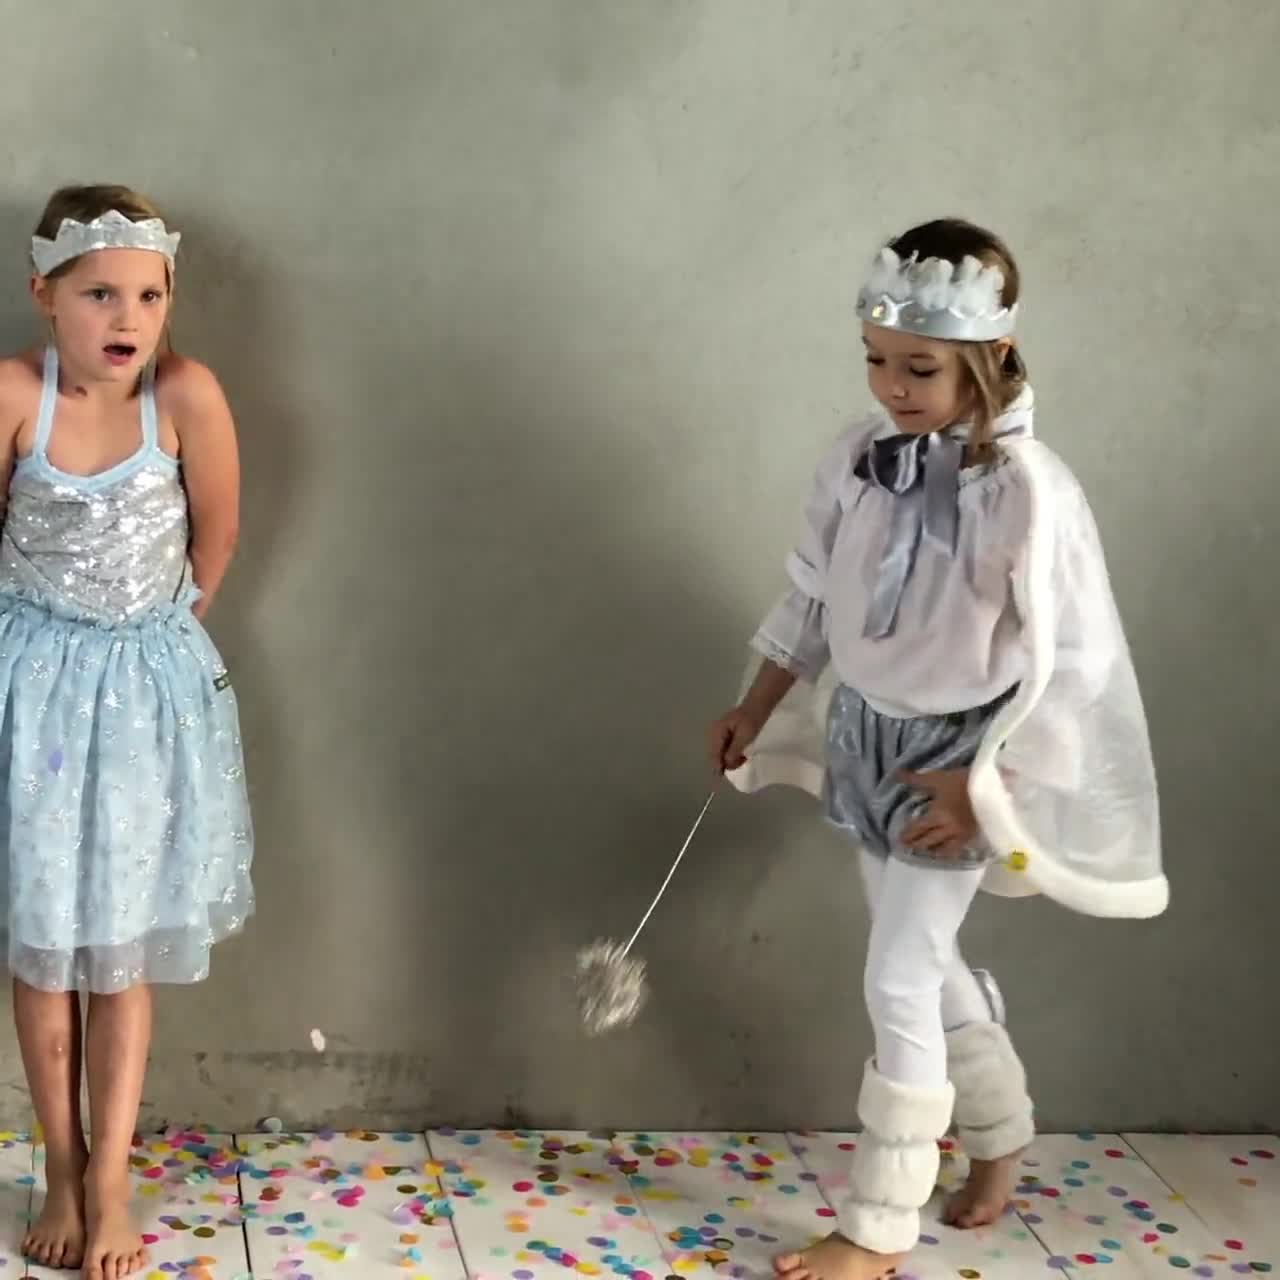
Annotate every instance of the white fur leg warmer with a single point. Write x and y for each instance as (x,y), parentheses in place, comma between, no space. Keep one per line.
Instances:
(895,1164)
(993,1110)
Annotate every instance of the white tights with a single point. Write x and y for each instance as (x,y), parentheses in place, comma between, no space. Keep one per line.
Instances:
(917,985)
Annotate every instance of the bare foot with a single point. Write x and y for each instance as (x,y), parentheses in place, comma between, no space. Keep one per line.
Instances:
(56,1238)
(114,1247)
(836,1258)
(985,1196)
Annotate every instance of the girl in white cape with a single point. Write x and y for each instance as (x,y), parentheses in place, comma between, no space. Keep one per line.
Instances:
(948,673)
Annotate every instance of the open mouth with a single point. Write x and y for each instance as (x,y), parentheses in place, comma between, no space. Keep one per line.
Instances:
(120,352)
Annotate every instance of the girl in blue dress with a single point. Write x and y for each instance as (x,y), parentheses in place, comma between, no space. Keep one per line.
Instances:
(123,810)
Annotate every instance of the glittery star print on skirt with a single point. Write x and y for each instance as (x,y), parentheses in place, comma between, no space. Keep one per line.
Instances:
(122,799)
(123,810)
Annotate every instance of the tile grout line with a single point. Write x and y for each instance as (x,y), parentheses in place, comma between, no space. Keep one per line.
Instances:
(791,1137)
(244,1220)
(1179,1197)
(1028,1226)
(1173,1191)
(637,1193)
(445,1196)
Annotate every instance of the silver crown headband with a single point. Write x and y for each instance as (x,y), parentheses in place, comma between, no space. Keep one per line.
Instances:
(113,230)
(936,298)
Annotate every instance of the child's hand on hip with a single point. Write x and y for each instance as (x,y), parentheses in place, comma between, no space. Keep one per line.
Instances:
(948,826)
(730,736)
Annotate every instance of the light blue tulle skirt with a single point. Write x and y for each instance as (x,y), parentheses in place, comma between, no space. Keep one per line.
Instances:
(123,806)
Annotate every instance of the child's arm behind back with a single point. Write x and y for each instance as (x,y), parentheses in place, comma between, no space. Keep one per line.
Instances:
(190,393)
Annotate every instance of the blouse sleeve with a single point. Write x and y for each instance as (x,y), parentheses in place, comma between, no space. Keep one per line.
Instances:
(794,634)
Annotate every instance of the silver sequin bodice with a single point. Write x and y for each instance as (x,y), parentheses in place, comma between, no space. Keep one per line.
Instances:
(106,550)
(105,547)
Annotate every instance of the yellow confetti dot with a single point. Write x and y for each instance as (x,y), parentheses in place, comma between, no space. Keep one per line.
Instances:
(1018,861)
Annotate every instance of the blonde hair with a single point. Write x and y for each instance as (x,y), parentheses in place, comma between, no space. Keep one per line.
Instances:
(994,379)
(83,204)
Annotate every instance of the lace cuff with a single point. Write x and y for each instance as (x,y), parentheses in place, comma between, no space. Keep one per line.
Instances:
(794,636)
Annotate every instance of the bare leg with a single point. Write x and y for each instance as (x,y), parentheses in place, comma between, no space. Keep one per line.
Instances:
(119,1034)
(48,1024)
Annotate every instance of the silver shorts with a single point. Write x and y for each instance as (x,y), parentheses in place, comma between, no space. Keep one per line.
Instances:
(866,751)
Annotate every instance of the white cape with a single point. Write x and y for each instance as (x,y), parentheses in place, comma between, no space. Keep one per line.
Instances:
(1063,785)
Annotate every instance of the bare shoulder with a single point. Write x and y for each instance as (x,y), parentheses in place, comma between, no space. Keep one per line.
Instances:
(21,378)
(187,389)
(20,374)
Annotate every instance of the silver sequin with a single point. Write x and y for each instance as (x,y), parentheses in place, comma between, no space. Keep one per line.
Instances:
(53,532)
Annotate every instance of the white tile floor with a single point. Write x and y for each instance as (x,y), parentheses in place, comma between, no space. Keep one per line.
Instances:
(645,1206)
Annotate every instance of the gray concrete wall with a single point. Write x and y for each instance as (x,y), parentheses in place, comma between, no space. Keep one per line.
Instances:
(535,315)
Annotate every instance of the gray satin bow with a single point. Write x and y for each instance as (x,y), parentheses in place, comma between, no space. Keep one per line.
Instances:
(923,474)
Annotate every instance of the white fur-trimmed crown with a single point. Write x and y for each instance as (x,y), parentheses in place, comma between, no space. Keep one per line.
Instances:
(936,298)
